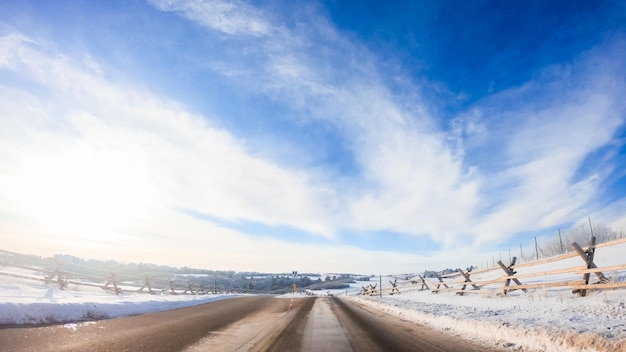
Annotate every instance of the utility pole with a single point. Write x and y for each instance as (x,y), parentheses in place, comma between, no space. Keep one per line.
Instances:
(561,241)
(536,249)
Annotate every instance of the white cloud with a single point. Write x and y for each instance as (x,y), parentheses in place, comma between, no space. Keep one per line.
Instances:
(416,179)
(512,164)
(418,185)
(88,157)
(411,181)
(101,168)
(230,17)
(545,135)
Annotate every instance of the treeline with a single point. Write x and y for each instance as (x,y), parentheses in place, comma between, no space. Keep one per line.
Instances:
(99,268)
(281,282)
(546,247)
(216,280)
(562,242)
(433,274)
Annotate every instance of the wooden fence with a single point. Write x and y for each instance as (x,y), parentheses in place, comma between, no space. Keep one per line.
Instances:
(59,273)
(503,279)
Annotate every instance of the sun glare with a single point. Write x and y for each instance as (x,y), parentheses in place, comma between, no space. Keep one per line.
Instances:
(82,194)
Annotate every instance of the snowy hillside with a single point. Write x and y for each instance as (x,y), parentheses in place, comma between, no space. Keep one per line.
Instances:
(541,319)
(30,302)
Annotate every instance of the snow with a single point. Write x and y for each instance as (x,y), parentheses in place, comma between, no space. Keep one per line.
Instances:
(538,322)
(541,319)
(30,302)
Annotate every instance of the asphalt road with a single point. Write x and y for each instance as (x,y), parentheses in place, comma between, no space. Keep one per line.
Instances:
(259,323)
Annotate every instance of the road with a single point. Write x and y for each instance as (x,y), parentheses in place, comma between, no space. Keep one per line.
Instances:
(256,323)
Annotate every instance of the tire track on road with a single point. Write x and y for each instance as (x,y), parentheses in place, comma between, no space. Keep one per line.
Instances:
(166,331)
(257,323)
(371,330)
(287,336)
(272,329)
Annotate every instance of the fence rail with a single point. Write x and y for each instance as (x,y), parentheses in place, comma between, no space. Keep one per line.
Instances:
(507,279)
(118,283)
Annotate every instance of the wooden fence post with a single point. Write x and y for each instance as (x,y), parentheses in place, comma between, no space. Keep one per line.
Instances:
(172,285)
(424,283)
(394,287)
(113,280)
(467,280)
(587,256)
(369,290)
(147,283)
(440,282)
(510,272)
(57,272)
(189,288)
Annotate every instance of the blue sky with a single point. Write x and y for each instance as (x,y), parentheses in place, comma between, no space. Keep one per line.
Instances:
(311,136)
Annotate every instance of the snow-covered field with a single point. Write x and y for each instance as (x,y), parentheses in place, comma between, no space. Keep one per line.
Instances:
(32,302)
(539,320)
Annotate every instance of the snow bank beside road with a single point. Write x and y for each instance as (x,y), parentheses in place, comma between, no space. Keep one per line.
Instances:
(27,302)
(593,323)
(540,320)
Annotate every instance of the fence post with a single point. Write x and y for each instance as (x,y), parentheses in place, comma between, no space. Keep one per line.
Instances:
(440,279)
(172,285)
(113,280)
(189,288)
(394,287)
(424,284)
(57,272)
(587,256)
(369,290)
(467,280)
(510,272)
(147,283)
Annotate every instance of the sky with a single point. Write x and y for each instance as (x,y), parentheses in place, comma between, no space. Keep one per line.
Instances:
(318,136)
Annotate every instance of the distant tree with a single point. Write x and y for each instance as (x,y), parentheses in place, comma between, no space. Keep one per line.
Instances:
(581,234)
(304,281)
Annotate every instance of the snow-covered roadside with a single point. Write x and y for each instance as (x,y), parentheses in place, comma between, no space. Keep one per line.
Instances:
(30,302)
(536,321)
(540,320)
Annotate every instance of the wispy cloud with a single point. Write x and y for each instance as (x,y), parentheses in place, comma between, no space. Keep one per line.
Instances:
(79,149)
(230,17)
(87,146)
(413,179)
(543,132)
(408,171)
